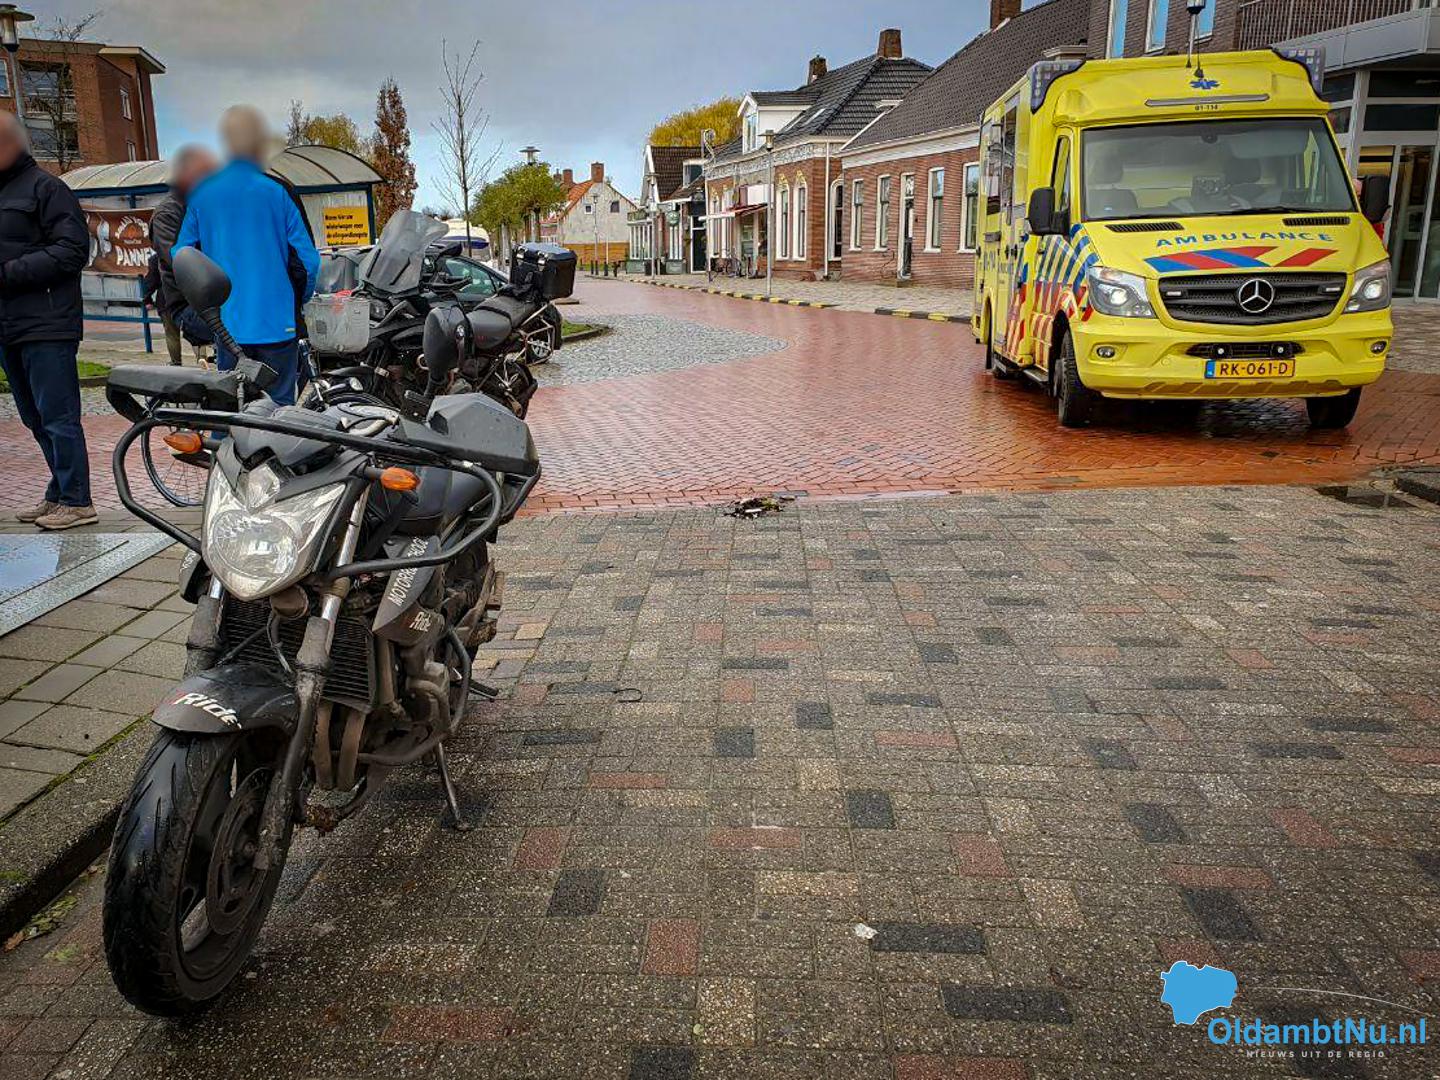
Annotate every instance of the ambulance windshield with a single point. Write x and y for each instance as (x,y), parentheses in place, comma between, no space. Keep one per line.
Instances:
(1213,167)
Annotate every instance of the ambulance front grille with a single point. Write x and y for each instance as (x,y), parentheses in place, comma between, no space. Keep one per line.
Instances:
(1214,298)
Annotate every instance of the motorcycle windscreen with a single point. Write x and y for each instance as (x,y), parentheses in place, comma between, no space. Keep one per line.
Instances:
(394,265)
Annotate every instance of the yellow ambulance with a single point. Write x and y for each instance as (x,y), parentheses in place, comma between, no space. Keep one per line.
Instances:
(1178,228)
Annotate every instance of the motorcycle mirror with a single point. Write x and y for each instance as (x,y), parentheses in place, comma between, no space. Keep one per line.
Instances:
(446,338)
(204,285)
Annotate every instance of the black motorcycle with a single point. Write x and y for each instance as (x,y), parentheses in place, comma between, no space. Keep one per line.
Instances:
(373,335)
(341,582)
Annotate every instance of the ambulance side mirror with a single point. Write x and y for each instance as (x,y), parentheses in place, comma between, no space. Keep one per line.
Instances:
(1044,219)
(1375,198)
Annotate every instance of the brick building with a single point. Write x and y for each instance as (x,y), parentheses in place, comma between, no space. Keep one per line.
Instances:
(810,125)
(906,203)
(593,221)
(85,103)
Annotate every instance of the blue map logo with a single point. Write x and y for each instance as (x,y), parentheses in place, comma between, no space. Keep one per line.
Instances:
(1192,991)
(1204,83)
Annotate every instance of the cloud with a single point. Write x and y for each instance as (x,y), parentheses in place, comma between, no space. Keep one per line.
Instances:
(583,81)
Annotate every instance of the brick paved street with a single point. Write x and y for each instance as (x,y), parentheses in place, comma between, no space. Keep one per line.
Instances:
(1041,745)
(858,404)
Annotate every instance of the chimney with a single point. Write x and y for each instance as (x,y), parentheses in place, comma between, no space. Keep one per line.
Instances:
(1001,10)
(817,69)
(569,177)
(597,172)
(890,45)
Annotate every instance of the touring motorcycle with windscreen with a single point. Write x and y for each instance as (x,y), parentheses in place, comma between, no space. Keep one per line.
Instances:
(342,582)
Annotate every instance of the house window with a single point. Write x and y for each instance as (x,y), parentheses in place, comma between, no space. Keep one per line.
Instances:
(882,214)
(125,105)
(857,200)
(614,206)
(1155,25)
(1205,21)
(782,230)
(752,122)
(970,221)
(1115,37)
(589,208)
(936,223)
(800,215)
(4,79)
(130,148)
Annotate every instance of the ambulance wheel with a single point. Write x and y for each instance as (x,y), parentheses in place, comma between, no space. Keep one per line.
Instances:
(1329,413)
(1075,403)
(993,364)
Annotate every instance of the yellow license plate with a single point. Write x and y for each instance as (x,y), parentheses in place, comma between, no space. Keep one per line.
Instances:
(1249,369)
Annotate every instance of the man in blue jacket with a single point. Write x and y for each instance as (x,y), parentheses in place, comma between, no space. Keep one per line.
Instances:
(249,225)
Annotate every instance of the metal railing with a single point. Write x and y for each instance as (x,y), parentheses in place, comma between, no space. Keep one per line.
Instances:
(1261,23)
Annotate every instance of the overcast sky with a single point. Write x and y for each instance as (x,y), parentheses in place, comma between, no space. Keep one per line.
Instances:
(582,81)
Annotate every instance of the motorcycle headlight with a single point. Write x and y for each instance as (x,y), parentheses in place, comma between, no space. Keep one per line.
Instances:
(255,545)
(1114,292)
(1371,291)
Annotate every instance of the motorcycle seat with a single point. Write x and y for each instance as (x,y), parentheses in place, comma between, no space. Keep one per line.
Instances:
(512,307)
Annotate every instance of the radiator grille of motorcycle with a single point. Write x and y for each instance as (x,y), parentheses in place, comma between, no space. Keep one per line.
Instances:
(352,678)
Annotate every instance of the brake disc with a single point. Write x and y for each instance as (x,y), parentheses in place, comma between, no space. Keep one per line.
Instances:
(232,884)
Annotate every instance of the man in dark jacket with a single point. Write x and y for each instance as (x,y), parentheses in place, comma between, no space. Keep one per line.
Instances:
(190,165)
(43,247)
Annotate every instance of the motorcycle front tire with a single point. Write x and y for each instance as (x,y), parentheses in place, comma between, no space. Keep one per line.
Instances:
(164,952)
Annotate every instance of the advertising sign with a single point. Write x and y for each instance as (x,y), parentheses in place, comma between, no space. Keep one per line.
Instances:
(119,240)
(346,225)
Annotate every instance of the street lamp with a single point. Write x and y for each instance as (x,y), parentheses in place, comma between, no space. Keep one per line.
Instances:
(10,17)
(770,217)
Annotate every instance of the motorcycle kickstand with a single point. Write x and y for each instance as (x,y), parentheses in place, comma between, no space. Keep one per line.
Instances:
(452,801)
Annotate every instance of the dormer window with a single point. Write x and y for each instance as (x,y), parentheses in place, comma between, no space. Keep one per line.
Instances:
(752,131)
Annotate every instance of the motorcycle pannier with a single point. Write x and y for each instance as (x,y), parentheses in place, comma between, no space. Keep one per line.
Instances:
(548,268)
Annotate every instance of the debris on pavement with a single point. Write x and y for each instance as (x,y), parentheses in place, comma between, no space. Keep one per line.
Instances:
(760,504)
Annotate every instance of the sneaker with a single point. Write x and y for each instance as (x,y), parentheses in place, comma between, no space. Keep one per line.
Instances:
(67,517)
(41,508)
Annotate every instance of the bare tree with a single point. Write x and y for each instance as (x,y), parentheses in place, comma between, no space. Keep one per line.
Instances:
(461,127)
(48,87)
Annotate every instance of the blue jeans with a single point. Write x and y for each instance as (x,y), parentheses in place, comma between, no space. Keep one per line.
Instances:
(283,356)
(46,385)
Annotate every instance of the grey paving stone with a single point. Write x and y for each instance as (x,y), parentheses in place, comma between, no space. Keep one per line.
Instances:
(16,713)
(927,938)
(870,809)
(1297,750)
(560,738)
(16,673)
(76,730)
(1350,723)
(993,635)
(661,1063)
(18,787)
(87,615)
(50,643)
(629,603)
(1012,1003)
(104,691)
(735,742)
(58,683)
(1154,823)
(937,653)
(154,624)
(755,663)
(37,759)
(816,715)
(162,659)
(109,650)
(1187,682)
(1221,914)
(577,892)
(1110,754)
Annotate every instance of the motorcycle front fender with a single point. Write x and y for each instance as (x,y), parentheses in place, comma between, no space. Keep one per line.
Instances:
(224,700)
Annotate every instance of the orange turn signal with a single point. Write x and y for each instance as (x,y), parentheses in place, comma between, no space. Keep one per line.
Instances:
(398,479)
(184,442)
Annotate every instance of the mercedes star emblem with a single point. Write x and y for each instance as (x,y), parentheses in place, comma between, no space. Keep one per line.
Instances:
(1255,296)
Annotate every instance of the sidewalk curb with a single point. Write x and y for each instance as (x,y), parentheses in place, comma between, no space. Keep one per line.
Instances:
(1422,483)
(52,838)
(733,294)
(932,316)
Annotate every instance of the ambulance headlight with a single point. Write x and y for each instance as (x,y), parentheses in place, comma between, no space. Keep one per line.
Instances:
(1114,292)
(1371,291)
